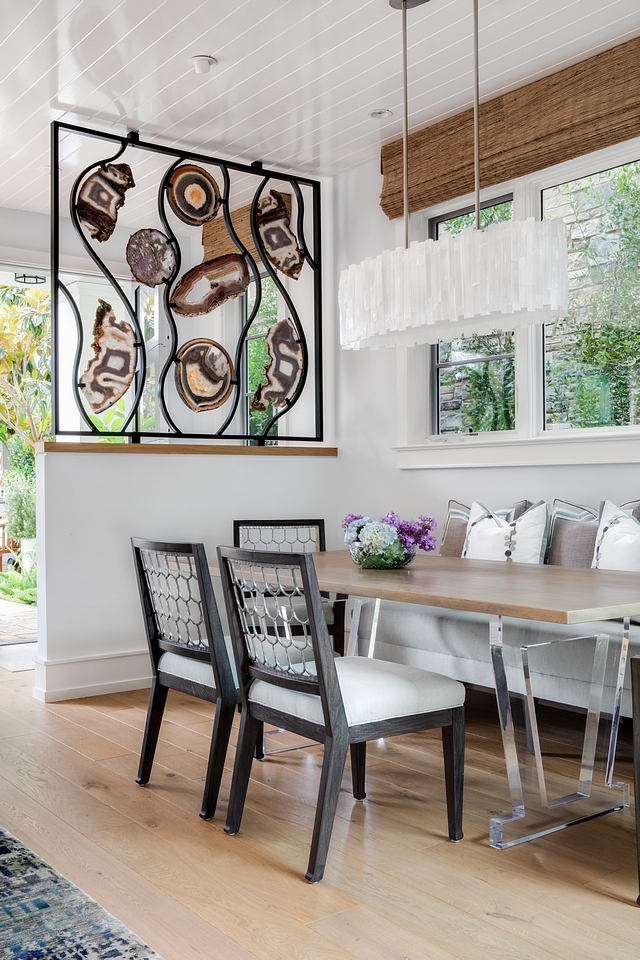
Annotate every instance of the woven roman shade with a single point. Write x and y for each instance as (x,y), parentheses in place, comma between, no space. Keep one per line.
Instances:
(215,236)
(587,107)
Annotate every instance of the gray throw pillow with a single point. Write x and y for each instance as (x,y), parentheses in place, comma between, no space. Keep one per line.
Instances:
(573,535)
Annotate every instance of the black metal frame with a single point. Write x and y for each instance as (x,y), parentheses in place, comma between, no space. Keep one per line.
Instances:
(129,429)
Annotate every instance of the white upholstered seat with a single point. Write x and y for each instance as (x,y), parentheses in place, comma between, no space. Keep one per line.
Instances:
(372,690)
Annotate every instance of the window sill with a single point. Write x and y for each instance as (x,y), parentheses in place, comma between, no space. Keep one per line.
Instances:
(559,448)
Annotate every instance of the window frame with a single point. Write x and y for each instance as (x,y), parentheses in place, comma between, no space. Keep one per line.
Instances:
(530,444)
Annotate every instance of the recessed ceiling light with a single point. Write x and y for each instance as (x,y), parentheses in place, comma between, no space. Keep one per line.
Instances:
(202,63)
(381,114)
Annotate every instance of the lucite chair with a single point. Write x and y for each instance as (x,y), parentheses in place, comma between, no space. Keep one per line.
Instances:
(188,649)
(290,678)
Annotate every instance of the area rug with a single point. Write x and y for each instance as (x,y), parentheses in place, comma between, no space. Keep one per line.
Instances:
(18,656)
(45,917)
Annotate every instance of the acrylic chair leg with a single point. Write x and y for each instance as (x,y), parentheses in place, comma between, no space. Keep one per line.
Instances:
(247,738)
(453,750)
(358,767)
(157,701)
(335,754)
(217,755)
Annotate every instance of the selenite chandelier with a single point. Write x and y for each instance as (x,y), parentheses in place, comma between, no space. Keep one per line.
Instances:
(512,274)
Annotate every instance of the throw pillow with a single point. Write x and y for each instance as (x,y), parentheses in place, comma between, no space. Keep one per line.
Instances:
(573,535)
(490,537)
(618,540)
(455,528)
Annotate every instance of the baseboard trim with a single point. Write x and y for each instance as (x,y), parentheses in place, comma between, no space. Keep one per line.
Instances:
(74,678)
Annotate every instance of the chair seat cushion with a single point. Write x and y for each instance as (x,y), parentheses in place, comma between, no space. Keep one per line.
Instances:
(372,690)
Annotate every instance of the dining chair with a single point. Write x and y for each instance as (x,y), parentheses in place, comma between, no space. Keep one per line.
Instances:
(292,679)
(635,696)
(188,649)
(294,536)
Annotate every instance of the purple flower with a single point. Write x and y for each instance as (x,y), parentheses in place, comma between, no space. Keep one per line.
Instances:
(350,517)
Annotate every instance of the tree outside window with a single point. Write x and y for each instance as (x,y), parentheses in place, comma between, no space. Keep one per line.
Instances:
(593,355)
(258,356)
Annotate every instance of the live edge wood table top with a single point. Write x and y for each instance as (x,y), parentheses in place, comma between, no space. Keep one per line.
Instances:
(523,590)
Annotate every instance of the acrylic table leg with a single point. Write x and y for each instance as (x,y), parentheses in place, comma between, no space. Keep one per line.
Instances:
(635,687)
(352,645)
(508,734)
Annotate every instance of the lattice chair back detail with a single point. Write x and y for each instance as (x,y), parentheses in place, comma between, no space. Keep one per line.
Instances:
(282,536)
(289,677)
(277,638)
(187,647)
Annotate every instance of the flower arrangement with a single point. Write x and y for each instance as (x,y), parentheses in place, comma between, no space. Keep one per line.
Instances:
(389,542)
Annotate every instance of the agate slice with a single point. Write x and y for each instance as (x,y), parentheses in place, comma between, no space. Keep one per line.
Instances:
(279,241)
(204,374)
(209,285)
(110,373)
(151,257)
(284,369)
(194,195)
(101,196)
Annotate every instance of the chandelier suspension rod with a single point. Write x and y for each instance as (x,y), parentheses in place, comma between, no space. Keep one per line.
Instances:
(476,115)
(405,126)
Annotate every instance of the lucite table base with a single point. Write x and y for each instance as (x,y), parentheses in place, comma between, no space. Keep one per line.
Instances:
(550,793)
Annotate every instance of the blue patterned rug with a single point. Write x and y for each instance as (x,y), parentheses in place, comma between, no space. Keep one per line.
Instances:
(45,917)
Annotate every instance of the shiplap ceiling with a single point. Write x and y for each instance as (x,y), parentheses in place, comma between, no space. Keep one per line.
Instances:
(295,83)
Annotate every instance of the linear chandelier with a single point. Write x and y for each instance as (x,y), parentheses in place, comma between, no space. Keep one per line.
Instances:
(512,274)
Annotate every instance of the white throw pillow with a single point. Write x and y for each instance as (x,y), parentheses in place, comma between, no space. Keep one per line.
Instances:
(617,540)
(490,537)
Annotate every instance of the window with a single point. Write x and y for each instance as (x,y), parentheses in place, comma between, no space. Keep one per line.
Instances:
(592,357)
(257,354)
(474,377)
(567,393)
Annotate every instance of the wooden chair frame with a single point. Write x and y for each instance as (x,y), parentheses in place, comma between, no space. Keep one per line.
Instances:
(225,696)
(335,733)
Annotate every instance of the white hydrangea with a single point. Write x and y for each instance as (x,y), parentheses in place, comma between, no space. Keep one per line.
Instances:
(377,536)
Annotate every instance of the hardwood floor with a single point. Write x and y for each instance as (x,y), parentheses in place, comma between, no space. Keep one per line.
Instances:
(394,889)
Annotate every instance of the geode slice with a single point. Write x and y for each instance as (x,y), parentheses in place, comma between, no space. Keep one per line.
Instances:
(101,196)
(279,241)
(194,195)
(285,368)
(151,257)
(110,373)
(204,374)
(209,285)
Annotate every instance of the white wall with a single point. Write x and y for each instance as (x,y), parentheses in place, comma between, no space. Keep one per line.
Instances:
(91,637)
(90,631)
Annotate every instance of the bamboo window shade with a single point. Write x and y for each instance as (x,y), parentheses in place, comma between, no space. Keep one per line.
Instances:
(215,236)
(583,108)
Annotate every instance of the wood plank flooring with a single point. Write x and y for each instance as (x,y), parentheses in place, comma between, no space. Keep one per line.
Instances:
(395,888)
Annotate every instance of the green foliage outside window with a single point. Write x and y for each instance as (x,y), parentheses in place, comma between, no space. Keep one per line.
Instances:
(258,356)
(593,355)
(477,395)
(25,364)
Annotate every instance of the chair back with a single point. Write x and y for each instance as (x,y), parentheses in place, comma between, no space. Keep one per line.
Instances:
(278,627)
(281,536)
(180,610)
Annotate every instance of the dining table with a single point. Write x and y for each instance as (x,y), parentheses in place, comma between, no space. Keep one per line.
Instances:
(532,592)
